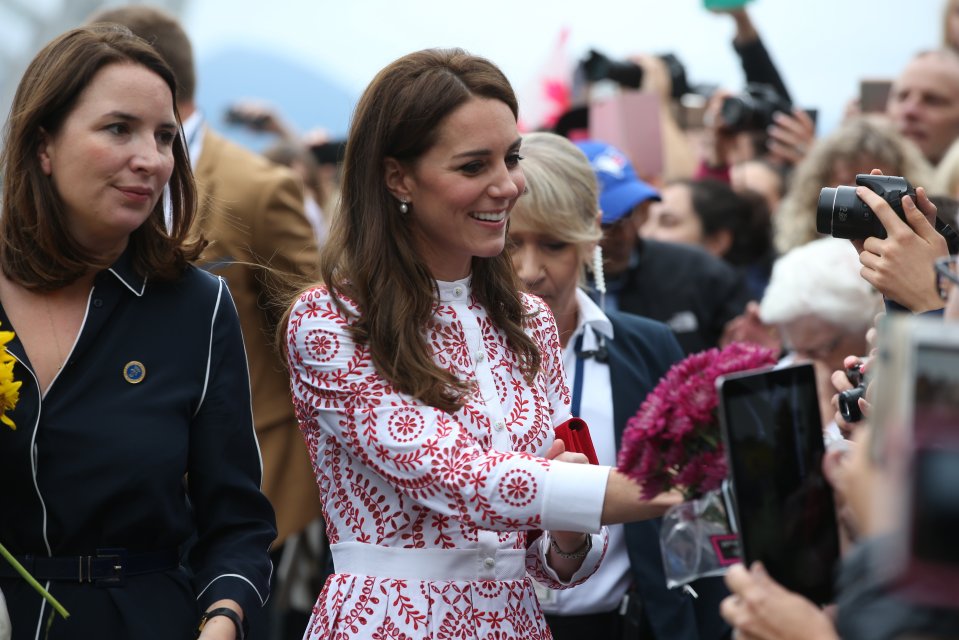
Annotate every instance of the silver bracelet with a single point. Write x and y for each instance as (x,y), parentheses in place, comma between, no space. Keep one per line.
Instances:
(575,555)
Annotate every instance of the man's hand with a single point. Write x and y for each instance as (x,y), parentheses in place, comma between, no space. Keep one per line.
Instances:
(791,136)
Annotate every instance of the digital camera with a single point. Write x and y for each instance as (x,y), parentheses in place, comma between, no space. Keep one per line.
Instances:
(596,66)
(753,109)
(842,214)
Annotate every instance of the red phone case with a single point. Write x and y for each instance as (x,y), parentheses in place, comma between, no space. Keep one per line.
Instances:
(575,435)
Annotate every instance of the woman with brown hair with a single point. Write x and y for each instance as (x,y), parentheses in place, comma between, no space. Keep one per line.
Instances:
(134,436)
(428,388)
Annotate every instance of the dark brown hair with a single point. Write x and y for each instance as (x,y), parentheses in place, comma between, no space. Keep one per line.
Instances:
(163,32)
(36,249)
(370,256)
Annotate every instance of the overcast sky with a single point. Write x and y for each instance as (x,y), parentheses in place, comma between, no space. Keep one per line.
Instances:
(823,47)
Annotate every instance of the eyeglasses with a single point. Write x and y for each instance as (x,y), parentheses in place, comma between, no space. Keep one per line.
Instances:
(947,274)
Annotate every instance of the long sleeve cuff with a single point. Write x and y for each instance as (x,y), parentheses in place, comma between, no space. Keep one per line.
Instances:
(232,587)
(573,497)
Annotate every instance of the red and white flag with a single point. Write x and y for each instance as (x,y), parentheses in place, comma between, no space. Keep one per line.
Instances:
(549,94)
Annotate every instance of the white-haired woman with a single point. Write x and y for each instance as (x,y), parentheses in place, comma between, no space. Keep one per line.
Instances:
(822,308)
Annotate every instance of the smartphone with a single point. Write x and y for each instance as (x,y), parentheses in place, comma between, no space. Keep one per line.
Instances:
(724,4)
(874,95)
(927,416)
(785,511)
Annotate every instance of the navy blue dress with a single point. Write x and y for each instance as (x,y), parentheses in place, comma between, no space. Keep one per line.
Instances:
(144,442)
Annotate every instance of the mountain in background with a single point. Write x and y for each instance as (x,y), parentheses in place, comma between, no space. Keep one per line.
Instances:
(304,97)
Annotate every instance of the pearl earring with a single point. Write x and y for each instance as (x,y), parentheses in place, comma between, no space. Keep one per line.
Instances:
(404,207)
(599,278)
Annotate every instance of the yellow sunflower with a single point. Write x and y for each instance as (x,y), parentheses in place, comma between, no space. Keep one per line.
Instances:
(9,388)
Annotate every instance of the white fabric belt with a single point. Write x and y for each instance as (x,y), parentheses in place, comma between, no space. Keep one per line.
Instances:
(428,564)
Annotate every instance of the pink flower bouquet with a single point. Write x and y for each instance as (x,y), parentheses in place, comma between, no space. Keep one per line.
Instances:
(674,441)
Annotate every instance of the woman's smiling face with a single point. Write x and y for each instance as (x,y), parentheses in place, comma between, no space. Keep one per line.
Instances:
(462,190)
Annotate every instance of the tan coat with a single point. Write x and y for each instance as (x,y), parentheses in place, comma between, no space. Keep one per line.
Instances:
(252,212)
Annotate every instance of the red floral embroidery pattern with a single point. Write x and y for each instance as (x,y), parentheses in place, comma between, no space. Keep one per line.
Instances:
(406,425)
(322,345)
(518,487)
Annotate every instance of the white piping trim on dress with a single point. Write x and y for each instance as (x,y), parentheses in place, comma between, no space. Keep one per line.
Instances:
(209,360)
(43,394)
(40,619)
(209,348)
(33,455)
(233,575)
(249,384)
(126,284)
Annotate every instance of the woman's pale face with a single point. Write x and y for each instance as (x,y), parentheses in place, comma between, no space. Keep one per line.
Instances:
(549,267)
(673,219)
(812,338)
(462,190)
(112,156)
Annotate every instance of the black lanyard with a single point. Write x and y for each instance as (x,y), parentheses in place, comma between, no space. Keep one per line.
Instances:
(601,354)
(578,380)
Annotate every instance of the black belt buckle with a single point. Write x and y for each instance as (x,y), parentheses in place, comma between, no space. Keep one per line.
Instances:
(110,564)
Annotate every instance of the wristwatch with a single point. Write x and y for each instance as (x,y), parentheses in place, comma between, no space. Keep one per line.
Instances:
(226,612)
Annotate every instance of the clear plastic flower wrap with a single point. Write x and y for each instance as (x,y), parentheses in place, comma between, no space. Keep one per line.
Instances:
(698,540)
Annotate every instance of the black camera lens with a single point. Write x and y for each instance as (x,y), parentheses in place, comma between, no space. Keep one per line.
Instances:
(598,67)
(842,214)
(753,110)
(737,113)
(849,404)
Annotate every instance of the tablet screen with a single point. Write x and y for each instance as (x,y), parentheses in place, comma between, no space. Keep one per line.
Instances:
(774,445)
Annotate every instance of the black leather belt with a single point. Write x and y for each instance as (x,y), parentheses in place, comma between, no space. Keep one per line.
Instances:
(108,568)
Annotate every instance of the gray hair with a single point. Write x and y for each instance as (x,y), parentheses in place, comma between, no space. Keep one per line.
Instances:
(821,278)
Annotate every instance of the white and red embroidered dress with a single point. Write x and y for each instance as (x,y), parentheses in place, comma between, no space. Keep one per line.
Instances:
(427,512)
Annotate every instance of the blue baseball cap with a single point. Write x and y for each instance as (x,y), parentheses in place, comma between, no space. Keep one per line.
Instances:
(620,189)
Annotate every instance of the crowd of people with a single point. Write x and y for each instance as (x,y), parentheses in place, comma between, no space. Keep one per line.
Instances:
(323,384)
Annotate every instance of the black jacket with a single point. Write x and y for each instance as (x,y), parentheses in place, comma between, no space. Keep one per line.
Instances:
(693,292)
(103,462)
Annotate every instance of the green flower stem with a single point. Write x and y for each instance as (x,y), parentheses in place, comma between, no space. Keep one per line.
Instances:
(32,581)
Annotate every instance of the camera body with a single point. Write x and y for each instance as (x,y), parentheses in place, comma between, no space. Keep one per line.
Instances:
(842,214)
(596,66)
(849,399)
(753,109)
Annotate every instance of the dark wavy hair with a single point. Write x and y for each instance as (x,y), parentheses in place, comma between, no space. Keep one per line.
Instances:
(36,249)
(371,257)
(744,215)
